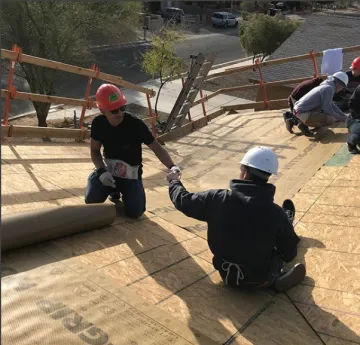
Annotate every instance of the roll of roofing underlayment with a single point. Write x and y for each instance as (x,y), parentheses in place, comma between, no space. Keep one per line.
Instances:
(21,229)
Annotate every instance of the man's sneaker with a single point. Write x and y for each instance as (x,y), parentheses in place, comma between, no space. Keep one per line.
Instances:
(289,125)
(289,208)
(114,197)
(291,278)
(305,130)
(353,149)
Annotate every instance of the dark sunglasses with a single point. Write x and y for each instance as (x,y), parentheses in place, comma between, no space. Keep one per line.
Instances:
(117,111)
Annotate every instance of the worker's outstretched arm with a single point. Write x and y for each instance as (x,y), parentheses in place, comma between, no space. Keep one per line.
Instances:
(286,242)
(195,205)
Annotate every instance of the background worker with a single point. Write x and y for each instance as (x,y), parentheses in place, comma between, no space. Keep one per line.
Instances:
(249,235)
(301,90)
(341,99)
(316,108)
(120,170)
(353,122)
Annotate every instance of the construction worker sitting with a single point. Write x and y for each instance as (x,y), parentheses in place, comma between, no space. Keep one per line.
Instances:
(120,170)
(316,108)
(249,235)
(341,99)
(353,122)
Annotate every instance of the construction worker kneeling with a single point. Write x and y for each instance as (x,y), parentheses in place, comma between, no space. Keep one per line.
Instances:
(120,171)
(316,108)
(249,235)
(353,122)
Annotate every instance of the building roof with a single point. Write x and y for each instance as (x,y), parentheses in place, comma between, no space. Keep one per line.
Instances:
(319,32)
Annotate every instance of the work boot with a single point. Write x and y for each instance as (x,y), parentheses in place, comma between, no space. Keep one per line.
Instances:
(291,278)
(353,149)
(289,125)
(114,197)
(305,130)
(287,115)
(289,208)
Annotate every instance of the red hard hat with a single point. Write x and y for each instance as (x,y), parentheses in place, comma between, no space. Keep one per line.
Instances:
(109,97)
(356,63)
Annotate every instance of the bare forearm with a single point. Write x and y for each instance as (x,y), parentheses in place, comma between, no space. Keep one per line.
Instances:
(97,159)
(164,157)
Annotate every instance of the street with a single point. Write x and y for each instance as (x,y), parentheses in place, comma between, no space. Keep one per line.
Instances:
(125,62)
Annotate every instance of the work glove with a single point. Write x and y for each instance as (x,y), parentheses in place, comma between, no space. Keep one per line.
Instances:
(175,168)
(107,180)
(173,175)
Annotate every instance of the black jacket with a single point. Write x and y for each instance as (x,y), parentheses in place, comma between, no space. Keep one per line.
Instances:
(245,226)
(354,103)
(353,120)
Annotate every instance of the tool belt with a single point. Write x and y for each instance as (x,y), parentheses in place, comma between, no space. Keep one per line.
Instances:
(121,169)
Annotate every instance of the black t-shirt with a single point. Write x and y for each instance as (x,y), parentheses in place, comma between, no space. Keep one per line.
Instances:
(123,141)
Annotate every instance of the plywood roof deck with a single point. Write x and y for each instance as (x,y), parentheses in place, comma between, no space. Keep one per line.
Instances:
(164,257)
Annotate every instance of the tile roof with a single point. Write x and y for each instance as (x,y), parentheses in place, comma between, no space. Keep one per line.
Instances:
(319,32)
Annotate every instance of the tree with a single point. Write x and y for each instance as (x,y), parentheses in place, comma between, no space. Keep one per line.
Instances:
(160,61)
(61,31)
(248,7)
(264,34)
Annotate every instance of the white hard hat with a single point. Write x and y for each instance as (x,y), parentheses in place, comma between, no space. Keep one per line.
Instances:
(262,158)
(342,76)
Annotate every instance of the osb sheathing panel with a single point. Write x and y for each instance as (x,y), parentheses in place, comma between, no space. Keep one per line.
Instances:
(344,211)
(280,323)
(171,280)
(336,341)
(334,237)
(349,173)
(330,269)
(355,162)
(86,310)
(138,267)
(27,188)
(333,219)
(347,196)
(209,305)
(24,206)
(331,312)
(54,167)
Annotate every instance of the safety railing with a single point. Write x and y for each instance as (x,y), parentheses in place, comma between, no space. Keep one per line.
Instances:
(265,104)
(193,123)
(16,56)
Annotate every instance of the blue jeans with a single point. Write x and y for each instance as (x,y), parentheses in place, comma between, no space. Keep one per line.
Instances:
(133,194)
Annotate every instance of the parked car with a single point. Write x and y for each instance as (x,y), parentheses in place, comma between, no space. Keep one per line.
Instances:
(224,19)
(173,13)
